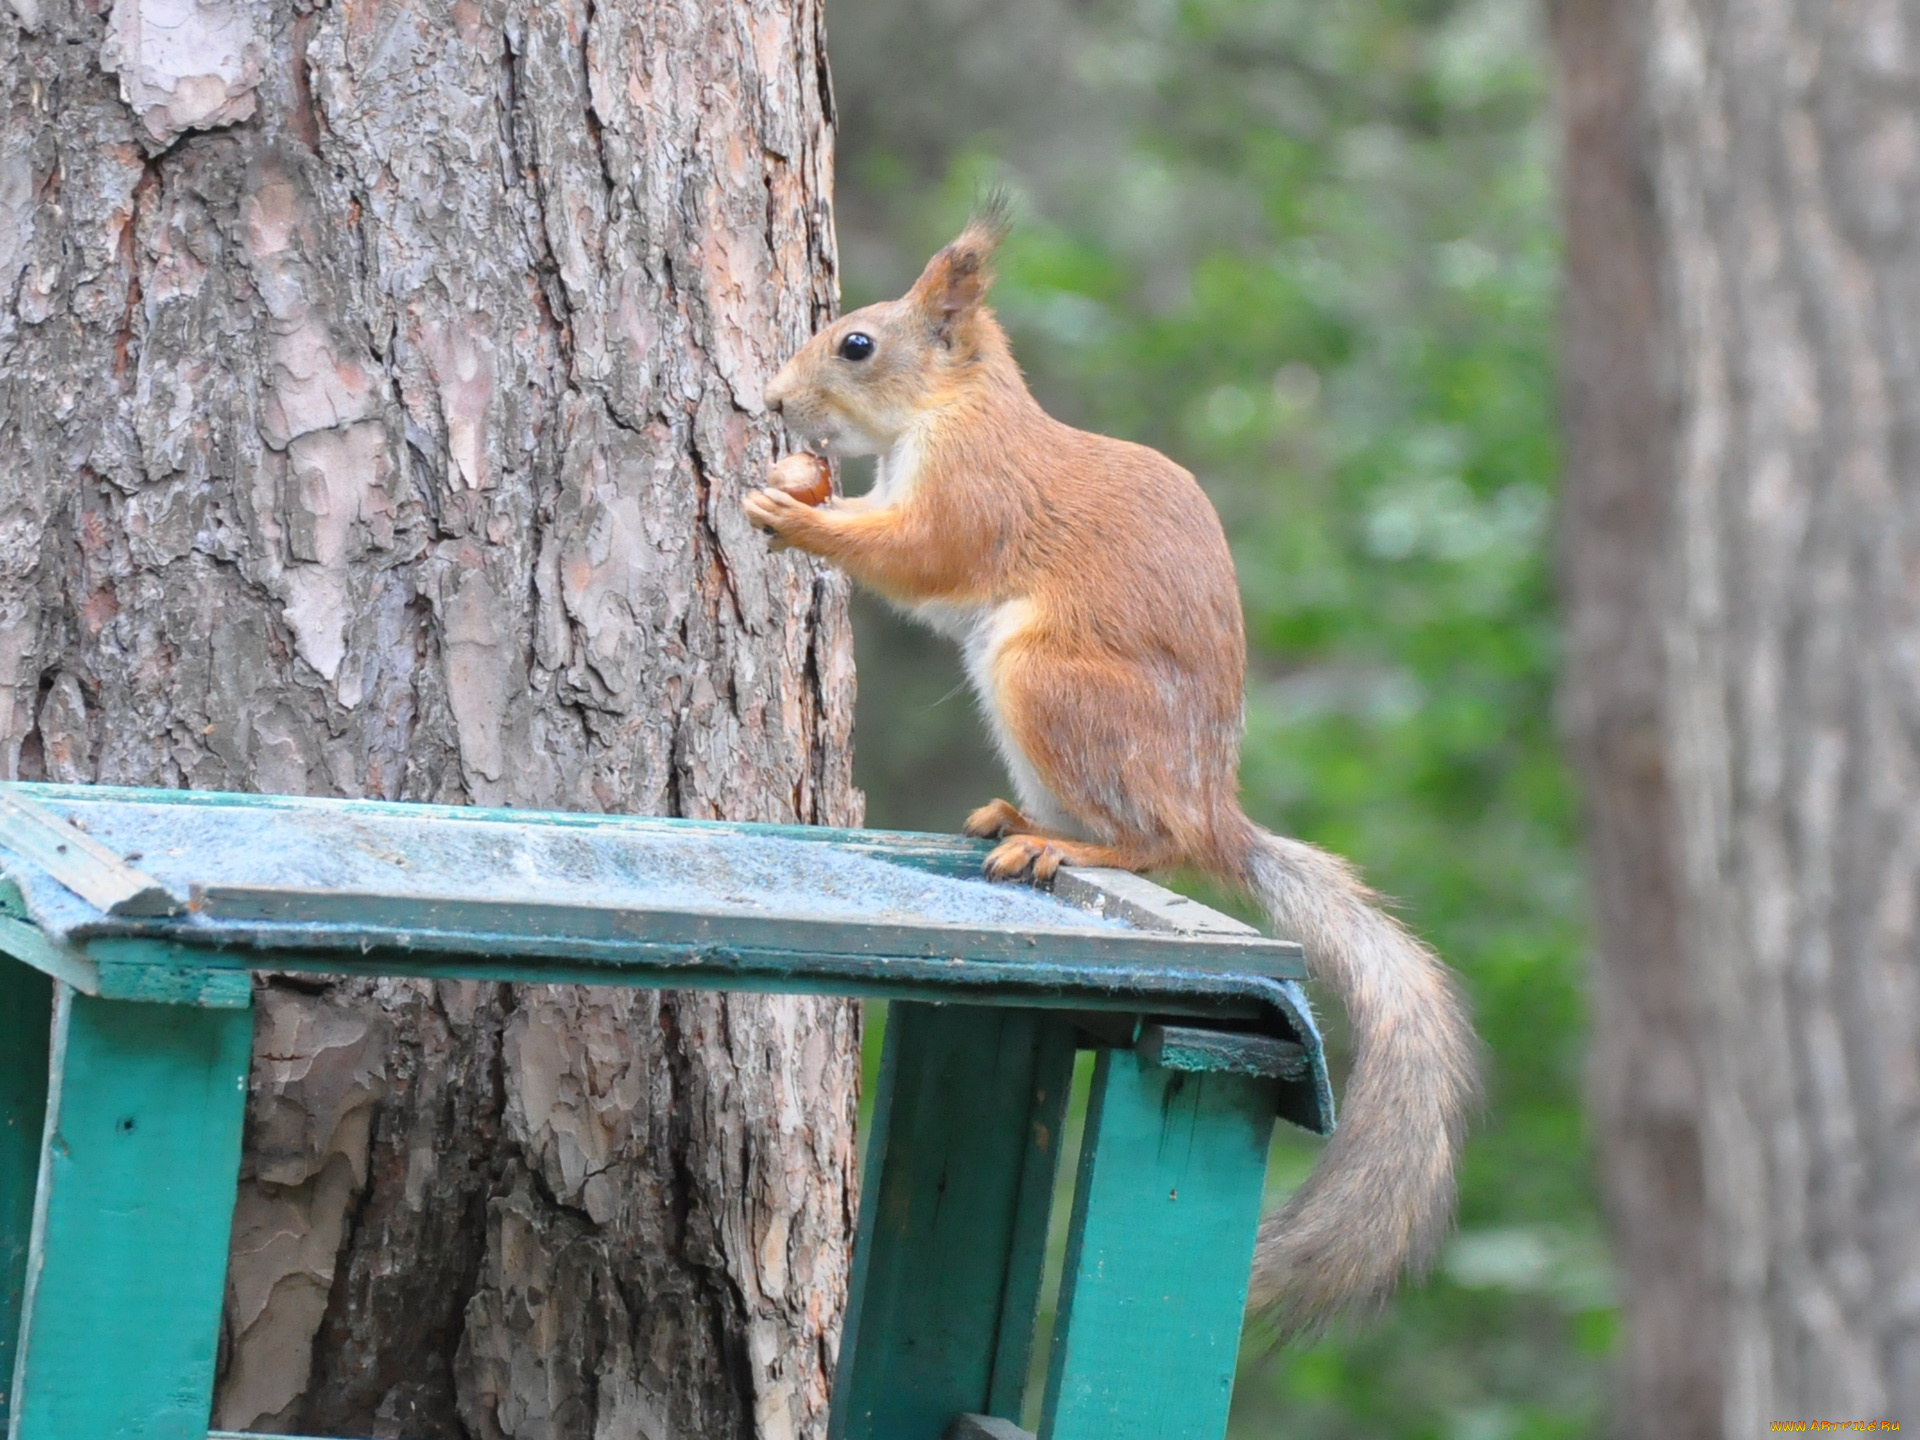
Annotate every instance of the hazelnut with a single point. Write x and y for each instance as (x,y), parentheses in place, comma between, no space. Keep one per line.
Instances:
(803,476)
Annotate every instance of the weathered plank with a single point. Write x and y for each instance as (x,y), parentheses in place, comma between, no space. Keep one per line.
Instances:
(67,963)
(947,1267)
(1117,893)
(1138,901)
(128,1256)
(26,1009)
(1161,1239)
(93,872)
(945,854)
(436,955)
(1250,953)
(1231,1052)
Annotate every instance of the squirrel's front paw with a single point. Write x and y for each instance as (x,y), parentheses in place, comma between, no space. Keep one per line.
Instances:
(994,820)
(776,512)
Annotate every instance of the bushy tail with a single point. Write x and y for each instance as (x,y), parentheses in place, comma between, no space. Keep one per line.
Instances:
(1381,1197)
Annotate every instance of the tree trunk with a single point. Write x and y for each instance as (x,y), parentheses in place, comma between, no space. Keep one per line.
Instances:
(1616,484)
(1785,149)
(1788,176)
(377,386)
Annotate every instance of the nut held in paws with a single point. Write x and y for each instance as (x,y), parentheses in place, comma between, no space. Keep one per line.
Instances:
(803,476)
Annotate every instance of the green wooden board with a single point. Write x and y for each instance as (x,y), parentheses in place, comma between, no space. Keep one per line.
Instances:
(1166,1204)
(947,1266)
(128,1257)
(26,1010)
(1178,1047)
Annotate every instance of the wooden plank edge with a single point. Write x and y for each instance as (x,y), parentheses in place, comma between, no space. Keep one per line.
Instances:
(66,963)
(117,977)
(1117,893)
(1223,1052)
(89,869)
(850,935)
(1213,994)
(1141,902)
(903,846)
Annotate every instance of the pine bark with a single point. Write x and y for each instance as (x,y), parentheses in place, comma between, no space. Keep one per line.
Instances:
(1783,147)
(377,386)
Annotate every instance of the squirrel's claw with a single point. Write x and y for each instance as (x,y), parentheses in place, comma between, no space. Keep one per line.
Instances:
(1026,856)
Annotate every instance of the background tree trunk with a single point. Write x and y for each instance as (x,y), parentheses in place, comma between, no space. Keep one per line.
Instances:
(1789,170)
(377,385)
(1785,148)
(1617,480)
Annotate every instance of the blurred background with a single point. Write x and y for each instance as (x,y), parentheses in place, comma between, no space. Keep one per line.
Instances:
(1309,251)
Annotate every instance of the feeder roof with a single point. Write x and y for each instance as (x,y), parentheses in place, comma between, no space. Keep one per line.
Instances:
(176,895)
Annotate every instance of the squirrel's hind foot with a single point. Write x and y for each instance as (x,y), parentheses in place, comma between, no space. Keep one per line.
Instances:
(1027,857)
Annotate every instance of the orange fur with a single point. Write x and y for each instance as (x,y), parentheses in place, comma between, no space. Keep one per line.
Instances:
(1090,585)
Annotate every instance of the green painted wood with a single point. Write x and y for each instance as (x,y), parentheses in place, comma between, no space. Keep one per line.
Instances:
(128,1257)
(23,941)
(1036,982)
(960,1168)
(1026,1244)
(1161,1241)
(147,971)
(743,930)
(26,1012)
(1231,1052)
(986,1427)
(155,973)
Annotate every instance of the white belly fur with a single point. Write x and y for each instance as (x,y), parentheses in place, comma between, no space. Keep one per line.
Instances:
(981,632)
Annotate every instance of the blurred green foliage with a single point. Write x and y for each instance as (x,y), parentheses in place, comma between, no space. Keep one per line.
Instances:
(1308,250)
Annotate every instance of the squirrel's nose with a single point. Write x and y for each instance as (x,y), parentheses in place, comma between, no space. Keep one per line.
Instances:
(773,403)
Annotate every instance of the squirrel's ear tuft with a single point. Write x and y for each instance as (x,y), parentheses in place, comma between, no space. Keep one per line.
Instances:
(958,278)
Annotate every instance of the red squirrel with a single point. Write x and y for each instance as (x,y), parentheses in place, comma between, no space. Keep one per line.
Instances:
(1089,585)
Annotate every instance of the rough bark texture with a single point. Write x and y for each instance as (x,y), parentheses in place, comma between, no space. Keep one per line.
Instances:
(377,385)
(1785,144)
(1616,517)
(1789,196)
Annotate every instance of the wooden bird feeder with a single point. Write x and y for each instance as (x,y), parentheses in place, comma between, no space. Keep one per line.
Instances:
(130,920)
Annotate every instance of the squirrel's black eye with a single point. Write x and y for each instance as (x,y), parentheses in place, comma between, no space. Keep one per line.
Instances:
(857,346)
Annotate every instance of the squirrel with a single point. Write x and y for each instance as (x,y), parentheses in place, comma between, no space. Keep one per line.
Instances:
(1089,585)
